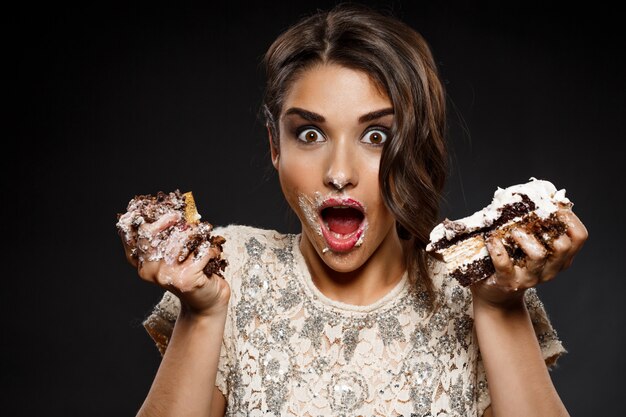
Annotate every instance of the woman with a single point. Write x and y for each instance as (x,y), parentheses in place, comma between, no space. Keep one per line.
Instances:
(350,317)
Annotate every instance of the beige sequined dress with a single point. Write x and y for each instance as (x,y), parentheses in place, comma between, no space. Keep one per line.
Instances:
(288,350)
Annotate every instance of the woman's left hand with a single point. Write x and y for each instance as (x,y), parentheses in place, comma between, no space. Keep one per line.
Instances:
(507,285)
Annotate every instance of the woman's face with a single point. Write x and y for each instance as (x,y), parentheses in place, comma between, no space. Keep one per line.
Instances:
(333,124)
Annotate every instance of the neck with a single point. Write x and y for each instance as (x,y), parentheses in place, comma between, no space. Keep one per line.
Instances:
(364,285)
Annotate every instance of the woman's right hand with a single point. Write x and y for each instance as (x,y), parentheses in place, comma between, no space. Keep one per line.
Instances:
(199,295)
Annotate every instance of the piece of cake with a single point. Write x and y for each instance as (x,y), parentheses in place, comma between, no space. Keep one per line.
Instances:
(531,206)
(176,214)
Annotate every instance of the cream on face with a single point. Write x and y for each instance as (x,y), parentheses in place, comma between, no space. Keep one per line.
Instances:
(333,126)
(312,207)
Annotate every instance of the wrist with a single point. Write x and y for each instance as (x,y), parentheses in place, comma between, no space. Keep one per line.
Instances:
(190,314)
(509,306)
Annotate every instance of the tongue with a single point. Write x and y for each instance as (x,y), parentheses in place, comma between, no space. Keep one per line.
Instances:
(343,220)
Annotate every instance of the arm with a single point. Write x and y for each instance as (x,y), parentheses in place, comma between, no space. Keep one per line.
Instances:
(186,376)
(185,382)
(519,382)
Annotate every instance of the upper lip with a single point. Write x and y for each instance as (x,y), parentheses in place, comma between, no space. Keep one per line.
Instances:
(341,202)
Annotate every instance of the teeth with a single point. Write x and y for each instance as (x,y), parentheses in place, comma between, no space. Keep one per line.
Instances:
(339,235)
(341,207)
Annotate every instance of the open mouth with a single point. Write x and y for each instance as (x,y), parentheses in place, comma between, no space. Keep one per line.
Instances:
(342,224)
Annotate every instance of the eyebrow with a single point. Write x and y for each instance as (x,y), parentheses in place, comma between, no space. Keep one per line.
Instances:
(377,114)
(318,118)
(305,114)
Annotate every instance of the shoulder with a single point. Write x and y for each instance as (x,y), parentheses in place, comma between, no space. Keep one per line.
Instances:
(448,292)
(242,239)
(244,244)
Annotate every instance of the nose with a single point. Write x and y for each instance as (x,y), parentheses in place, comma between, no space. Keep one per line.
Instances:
(341,171)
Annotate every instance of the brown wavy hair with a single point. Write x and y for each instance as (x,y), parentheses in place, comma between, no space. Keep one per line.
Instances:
(413,166)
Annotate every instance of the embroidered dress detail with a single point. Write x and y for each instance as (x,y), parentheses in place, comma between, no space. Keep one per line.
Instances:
(288,350)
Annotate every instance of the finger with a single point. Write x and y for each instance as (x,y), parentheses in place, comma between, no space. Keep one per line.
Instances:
(148,270)
(558,258)
(129,237)
(176,247)
(536,253)
(502,263)
(576,230)
(169,276)
(150,237)
(203,255)
(508,277)
(161,223)
(175,277)
(187,275)
(130,253)
(148,231)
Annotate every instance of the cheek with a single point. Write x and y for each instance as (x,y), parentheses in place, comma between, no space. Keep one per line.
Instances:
(297,168)
(369,178)
(297,175)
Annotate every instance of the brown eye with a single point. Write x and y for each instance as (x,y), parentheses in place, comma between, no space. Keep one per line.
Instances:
(310,136)
(375,137)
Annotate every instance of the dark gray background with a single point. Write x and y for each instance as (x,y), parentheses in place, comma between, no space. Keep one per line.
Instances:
(108,101)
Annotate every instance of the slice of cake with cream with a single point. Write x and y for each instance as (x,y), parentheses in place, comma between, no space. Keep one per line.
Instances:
(531,206)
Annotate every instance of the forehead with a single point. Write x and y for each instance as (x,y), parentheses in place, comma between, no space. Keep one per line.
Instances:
(331,89)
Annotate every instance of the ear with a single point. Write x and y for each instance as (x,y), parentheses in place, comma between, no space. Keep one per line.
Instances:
(273,150)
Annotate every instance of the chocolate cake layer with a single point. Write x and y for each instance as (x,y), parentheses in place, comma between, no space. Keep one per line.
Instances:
(507,213)
(216,265)
(475,271)
(183,233)
(531,206)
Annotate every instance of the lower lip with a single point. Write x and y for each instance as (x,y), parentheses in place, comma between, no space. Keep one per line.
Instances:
(343,243)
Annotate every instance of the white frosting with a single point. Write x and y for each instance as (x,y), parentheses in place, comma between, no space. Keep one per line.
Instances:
(157,239)
(543,193)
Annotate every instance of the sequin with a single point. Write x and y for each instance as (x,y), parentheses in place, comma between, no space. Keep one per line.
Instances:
(350,339)
(289,353)
(245,311)
(422,373)
(420,337)
(254,247)
(463,329)
(258,339)
(347,392)
(457,400)
(440,319)
(447,344)
(290,296)
(258,282)
(265,310)
(281,331)
(320,365)
(284,255)
(460,297)
(421,399)
(390,328)
(276,395)
(312,330)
